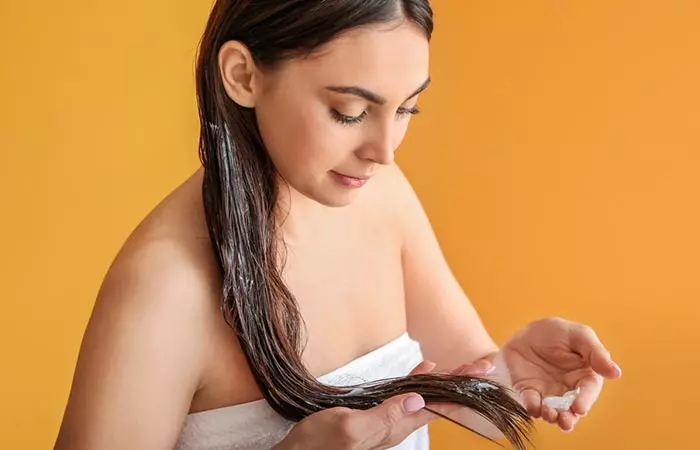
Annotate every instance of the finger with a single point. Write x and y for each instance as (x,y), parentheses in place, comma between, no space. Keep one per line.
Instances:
(424,367)
(394,410)
(532,401)
(549,414)
(478,368)
(590,390)
(585,342)
(397,417)
(461,370)
(567,420)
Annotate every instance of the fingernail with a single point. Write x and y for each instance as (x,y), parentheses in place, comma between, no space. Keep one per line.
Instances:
(616,366)
(460,368)
(413,403)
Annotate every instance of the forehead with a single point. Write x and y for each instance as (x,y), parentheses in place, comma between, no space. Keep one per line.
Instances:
(389,59)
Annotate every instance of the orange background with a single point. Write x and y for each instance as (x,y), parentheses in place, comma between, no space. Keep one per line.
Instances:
(557,157)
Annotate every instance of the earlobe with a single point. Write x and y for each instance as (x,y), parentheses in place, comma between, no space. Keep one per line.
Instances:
(237,70)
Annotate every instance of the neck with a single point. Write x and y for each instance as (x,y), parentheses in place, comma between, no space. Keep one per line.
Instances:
(296,213)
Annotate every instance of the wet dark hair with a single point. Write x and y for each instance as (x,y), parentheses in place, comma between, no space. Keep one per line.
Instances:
(240,192)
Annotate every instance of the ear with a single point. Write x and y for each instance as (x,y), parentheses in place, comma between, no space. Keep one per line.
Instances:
(238,73)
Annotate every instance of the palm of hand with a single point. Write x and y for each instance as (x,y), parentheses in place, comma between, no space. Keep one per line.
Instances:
(553,356)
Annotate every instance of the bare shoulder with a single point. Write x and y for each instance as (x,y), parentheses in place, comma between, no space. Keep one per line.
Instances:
(144,348)
(164,280)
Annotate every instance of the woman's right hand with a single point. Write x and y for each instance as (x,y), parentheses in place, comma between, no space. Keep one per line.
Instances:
(384,426)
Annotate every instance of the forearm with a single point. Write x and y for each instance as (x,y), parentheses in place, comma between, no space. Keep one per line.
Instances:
(452,357)
(450,332)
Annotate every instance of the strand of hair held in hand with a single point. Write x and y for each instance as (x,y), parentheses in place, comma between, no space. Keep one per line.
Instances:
(240,194)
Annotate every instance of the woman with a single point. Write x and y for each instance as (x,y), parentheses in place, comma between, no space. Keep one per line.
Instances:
(298,212)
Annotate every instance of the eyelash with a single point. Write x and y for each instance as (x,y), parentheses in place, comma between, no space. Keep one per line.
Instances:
(353,120)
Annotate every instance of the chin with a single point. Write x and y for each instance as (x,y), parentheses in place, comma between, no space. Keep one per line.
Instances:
(328,194)
(334,199)
(331,196)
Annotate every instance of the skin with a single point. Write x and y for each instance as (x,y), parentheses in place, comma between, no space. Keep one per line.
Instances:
(363,263)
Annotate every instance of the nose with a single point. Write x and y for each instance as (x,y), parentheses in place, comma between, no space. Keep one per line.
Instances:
(380,147)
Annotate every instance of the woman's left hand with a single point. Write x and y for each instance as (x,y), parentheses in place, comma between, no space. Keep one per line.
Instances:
(552,356)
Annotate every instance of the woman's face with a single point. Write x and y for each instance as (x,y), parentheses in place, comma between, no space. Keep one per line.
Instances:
(330,121)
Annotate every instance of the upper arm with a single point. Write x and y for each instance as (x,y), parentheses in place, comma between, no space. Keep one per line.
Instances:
(140,358)
(439,314)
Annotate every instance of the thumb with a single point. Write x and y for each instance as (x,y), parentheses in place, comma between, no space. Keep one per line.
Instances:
(394,409)
(603,364)
(397,417)
(586,343)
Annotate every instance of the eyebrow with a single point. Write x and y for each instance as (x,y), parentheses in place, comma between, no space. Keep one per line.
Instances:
(371,96)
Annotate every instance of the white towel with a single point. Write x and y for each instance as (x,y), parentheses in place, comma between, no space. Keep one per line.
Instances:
(256,426)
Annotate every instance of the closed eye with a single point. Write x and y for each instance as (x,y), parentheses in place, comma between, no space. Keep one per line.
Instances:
(348,120)
(352,120)
(407,111)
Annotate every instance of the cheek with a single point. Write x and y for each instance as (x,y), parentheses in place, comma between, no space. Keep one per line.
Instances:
(400,131)
(302,141)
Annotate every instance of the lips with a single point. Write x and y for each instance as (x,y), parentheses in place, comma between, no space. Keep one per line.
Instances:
(352,181)
(357,177)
